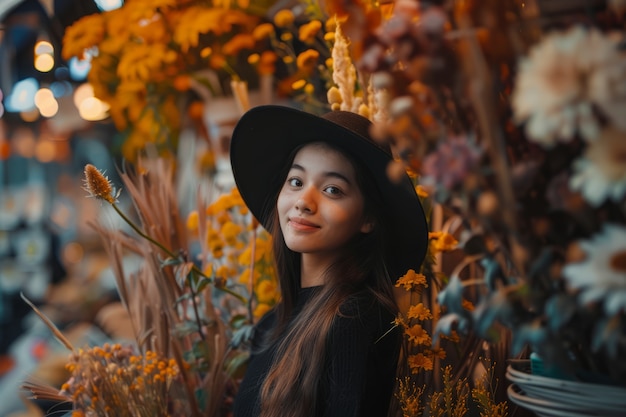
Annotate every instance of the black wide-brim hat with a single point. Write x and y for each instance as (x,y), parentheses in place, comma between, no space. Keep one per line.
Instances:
(265,138)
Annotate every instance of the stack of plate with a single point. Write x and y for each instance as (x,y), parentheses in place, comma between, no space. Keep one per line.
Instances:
(551,397)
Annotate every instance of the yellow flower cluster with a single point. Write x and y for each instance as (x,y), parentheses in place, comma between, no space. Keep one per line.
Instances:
(231,237)
(301,65)
(139,52)
(111,380)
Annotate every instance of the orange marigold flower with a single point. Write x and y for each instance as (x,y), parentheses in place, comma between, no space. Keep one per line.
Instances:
(419,361)
(411,280)
(399,321)
(261,309)
(267,62)
(444,242)
(182,82)
(307,60)
(254,59)
(263,31)
(82,35)
(244,277)
(434,235)
(284,18)
(266,291)
(230,231)
(238,43)
(192,221)
(222,272)
(309,30)
(419,312)
(418,335)
(421,191)
(331,23)
(296,85)
(217,61)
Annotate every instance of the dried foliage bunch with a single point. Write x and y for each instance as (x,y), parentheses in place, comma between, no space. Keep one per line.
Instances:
(191,302)
(111,380)
(511,112)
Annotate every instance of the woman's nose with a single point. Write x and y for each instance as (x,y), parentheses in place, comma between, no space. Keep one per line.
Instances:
(306,202)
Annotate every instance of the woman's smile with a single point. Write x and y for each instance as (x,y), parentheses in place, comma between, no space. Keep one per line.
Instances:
(302,225)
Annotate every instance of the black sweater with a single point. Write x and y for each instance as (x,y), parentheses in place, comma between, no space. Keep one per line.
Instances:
(359,376)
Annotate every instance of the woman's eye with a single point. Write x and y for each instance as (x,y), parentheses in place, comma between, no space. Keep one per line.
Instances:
(333,190)
(294,182)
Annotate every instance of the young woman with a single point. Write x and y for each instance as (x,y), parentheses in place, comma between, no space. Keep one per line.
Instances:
(342,234)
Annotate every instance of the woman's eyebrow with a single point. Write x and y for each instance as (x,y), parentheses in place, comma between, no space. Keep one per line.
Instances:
(331,174)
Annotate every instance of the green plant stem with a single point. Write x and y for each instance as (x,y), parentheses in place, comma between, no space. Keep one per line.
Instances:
(194,268)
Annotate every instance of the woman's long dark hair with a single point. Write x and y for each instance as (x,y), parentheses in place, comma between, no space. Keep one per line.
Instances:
(291,388)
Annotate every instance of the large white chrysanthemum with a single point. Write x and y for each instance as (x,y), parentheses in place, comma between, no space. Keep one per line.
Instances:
(560,81)
(601,276)
(601,173)
(604,63)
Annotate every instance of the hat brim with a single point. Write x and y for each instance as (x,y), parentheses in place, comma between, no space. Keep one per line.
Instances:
(265,137)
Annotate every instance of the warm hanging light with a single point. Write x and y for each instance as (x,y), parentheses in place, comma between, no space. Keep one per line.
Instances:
(44,63)
(46,103)
(43,48)
(44,56)
(93,109)
(89,107)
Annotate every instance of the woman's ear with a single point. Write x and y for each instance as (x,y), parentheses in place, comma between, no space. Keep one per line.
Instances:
(367,227)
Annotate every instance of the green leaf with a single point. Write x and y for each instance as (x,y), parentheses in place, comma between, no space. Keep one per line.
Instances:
(239,320)
(244,334)
(236,366)
(202,283)
(170,261)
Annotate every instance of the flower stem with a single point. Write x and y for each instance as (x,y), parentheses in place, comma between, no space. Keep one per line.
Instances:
(194,268)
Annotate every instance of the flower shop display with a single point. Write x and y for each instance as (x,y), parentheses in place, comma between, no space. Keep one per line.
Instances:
(508,114)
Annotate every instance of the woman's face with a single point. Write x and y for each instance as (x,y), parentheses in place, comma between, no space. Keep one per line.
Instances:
(320,207)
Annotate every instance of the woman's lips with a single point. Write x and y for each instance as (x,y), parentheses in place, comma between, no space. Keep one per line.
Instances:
(302,224)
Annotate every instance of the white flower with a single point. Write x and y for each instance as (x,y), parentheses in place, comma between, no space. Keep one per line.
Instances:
(605,66)
(601,173)
(562,78)
(547,86)
(602,275)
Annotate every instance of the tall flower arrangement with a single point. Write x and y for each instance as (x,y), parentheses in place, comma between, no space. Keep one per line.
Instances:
(508,112)
(147,56)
